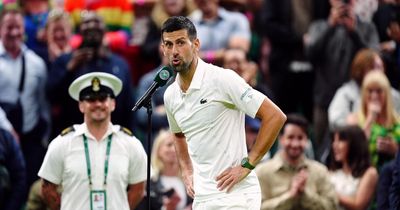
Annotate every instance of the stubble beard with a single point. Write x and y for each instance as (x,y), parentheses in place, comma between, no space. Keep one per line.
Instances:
(183,67)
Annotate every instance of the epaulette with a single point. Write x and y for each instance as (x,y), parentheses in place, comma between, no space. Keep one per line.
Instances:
(126,131)
(67,130)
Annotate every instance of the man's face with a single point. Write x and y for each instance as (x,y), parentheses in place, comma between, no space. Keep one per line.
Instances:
(12,31)
(179,49)
(92,29)
(97,110)
(293,141)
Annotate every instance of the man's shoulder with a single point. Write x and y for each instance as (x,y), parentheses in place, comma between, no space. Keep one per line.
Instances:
(67,131)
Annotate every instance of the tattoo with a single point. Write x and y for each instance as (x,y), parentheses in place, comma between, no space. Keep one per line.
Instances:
(51,195)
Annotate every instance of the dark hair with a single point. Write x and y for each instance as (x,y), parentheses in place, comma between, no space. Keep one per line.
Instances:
(358,155)
(296,119)
(176,23)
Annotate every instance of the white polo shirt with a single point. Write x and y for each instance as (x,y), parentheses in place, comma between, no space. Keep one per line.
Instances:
(65,164)
(211,115)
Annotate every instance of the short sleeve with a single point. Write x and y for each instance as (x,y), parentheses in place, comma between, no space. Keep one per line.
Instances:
(53,164)
(173,125)
(243,96)
(137,162)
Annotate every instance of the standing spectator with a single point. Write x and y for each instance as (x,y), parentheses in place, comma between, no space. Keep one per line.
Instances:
(290,180)
(347,97)
(22,91)
(331,45)
(57,34)
(91,56)
(291,74)
(74,158)
(378,118)
(13,188)
(219,29)
(351,173)
(35,17)
(206,108)
(387,20)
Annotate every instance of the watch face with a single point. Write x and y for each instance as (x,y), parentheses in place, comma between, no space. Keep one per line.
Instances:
(244,161)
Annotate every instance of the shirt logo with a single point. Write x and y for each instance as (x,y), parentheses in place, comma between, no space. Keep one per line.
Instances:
(203,101)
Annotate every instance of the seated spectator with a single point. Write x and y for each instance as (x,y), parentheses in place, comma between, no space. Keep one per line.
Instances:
(13,187)
(351,171)
(168,189)
(219,29)
(394,192)
(384,184)
(292,181)
(347,97)
(378,118)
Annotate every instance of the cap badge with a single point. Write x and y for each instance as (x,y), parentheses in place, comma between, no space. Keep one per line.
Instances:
(95,84)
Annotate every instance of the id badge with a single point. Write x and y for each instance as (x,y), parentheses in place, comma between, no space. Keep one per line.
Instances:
(98,200)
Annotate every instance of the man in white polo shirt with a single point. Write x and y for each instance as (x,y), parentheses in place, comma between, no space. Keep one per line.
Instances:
(206,108)
(100,166)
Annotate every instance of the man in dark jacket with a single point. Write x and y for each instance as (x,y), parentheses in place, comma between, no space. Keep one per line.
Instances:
(13,187)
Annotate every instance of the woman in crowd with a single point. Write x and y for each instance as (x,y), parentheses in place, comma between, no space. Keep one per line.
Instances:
(378,118)
(347,97)
(168,189)
(351,171)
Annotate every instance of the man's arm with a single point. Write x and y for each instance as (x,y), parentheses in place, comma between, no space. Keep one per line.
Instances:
(135,194)
(185,162)
(51,195)
(272,120)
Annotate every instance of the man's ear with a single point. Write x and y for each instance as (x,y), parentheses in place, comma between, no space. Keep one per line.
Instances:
(81,105)
(112,104)
(196,44)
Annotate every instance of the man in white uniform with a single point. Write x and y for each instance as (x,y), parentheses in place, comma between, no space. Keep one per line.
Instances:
(206,108)
(98,165)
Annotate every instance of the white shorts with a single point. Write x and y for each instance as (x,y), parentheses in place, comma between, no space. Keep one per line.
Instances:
(245,201)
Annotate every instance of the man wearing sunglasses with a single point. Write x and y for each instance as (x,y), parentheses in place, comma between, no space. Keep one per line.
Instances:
(99,165)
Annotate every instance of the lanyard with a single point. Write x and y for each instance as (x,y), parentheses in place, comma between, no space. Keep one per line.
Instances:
(89,171)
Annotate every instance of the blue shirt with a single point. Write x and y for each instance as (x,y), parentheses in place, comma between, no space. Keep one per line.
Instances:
(33,97)
(215,35)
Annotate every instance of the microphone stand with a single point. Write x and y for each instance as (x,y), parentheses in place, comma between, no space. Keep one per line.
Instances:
(149,108)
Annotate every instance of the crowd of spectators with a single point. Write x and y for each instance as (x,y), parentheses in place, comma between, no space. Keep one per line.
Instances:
(335,62)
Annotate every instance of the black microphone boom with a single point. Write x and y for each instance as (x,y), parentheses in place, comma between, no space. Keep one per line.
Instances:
(161,78)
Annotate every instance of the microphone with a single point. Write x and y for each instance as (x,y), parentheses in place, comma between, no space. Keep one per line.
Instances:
(161,78)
